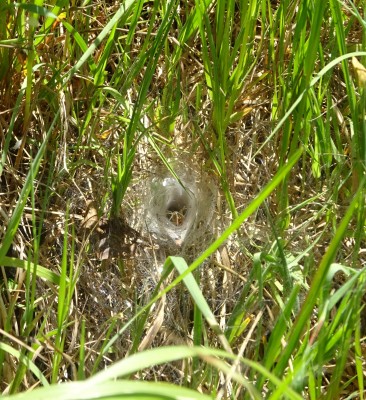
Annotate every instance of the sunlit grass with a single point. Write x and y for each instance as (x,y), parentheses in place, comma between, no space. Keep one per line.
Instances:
(260,96)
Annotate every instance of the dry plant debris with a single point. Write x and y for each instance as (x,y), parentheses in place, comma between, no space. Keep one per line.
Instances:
(114,260)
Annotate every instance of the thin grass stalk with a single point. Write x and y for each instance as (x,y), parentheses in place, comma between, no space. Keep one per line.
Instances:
(30,286)
(4,34)
(223,80)
(359,357)
(14,221)
(122,12)
(81,363)
(16,384)
(14,117)
(105,346)
(24,360)
(317,281)
(17,213)
(62,306)
(237,322)
(345,342)
(124,170)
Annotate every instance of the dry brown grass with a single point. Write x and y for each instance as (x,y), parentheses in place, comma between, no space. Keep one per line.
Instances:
(117,261)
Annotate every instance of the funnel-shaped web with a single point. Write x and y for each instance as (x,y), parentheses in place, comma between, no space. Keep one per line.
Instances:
(179,212)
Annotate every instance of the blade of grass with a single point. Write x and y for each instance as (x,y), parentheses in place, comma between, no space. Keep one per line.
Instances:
(121,13)
(181,266)
(317,281)
(41,272)
(124,170)
(23,197)
(121,389)
(26,361)
(359,359)
(274,344)
(316,78)
(14,117)
(162,355)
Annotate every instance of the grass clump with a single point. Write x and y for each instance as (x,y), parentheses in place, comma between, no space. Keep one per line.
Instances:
(262,102)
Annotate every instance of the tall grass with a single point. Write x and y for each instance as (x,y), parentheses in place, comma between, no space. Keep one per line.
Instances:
(257,92)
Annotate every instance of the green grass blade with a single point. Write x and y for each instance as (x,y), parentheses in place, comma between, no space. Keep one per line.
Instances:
(122,389)
(317,282)
(198,298)
(162,355)
(26,361)
(316,78)
(122,12)
(124,170)
(23,197)
(41,272)
(81,43)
